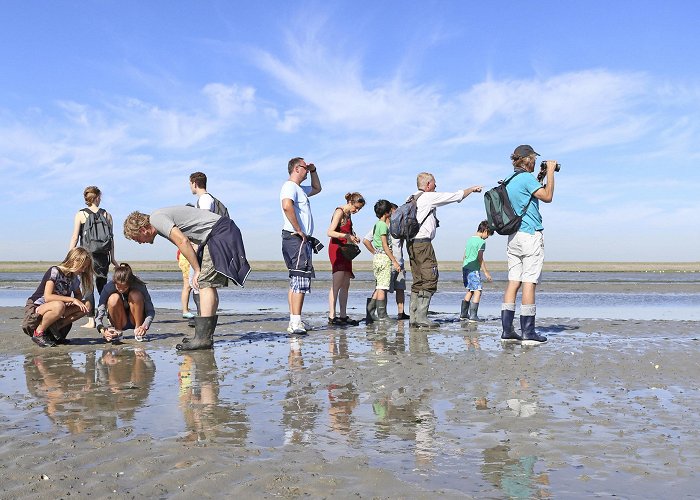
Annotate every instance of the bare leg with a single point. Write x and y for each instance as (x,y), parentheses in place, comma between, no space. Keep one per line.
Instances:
(343,294)
(400,300)
(528,296)
(209,301)
(115,309)
(50,313)
(136,308)
(334,292)
(511,292)
(185,295)
(468,296)
(296,302)
(476,297)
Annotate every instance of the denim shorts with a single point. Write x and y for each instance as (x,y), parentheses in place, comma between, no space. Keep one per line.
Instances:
(471,279)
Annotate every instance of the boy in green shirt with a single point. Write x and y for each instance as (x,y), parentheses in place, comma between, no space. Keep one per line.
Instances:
(473,263)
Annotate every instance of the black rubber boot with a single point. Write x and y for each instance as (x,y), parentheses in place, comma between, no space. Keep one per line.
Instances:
(464,313)
(473,312)
(203,334)
(381,310)
(371,309)
(422,307)
(509,334)
(412,308)
(530,336)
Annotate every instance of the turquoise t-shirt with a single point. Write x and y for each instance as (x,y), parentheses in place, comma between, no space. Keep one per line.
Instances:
(380,228)
(471,253)
(520,189)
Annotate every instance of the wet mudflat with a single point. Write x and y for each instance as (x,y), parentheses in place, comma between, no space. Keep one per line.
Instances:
(607,407)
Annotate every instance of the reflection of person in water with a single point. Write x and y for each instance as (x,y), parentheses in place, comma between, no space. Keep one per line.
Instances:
(344,398)
(412,421)
(299,408)
(515,476)
(206,416)
(127,376)
(92,396)
(54,381)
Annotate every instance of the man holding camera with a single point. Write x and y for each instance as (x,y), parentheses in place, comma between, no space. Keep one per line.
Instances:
(525,249)
(297,241)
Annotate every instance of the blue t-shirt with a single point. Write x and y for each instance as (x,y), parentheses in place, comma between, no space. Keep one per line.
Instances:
(520,189)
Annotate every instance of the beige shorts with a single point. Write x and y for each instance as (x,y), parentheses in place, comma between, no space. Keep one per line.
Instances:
(208,276)
(381,265)
(525,256)
(184,266)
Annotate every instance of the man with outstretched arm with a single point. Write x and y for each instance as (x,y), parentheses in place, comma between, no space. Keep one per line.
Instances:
(297,237)
(424,266)
(525,248)
(220,257)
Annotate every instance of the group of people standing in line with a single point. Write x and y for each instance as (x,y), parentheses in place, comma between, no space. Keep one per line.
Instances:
(211,243)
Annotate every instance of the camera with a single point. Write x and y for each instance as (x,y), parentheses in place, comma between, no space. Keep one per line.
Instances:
(543,170)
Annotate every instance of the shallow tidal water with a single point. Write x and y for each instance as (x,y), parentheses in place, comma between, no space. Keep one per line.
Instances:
(450,409)
(605,408)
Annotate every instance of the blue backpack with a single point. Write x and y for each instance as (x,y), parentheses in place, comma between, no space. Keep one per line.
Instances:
(404,223)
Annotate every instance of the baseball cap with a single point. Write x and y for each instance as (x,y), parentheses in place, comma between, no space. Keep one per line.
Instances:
(524,150)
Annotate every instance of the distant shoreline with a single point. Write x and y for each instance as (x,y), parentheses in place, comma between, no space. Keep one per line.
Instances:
(365,265)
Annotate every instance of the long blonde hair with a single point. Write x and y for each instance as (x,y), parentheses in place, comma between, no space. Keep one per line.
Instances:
(74,264)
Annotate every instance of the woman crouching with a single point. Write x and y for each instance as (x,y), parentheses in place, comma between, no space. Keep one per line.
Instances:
(58,300)
(127,304)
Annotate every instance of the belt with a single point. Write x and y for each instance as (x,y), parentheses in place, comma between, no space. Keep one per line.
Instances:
(421,240)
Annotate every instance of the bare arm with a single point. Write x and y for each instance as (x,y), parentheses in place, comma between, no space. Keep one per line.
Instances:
(315,181)
(77,221)
(473,189)
(335,222)
(546,194)
(50,296)
(288,209)
(111,248)
(482,263)
(368,245)
(389,253)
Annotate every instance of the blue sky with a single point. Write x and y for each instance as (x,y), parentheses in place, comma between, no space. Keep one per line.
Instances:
(134,96)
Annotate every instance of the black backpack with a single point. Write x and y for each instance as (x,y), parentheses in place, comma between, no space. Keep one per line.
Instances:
(499,211)
(404,223)
(96,233)
(219,208)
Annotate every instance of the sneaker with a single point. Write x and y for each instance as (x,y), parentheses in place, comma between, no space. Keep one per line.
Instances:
(42,340)
(403,316)
(187,315)
(299,329)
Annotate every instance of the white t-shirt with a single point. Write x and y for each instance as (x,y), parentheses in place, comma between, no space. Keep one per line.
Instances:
(205,202)
(302,208)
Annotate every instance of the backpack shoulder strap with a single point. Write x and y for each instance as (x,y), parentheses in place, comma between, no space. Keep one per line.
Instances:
(510,178)
(531,196)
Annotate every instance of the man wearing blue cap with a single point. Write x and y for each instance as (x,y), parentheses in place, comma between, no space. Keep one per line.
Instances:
(525,249)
